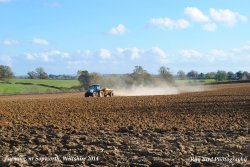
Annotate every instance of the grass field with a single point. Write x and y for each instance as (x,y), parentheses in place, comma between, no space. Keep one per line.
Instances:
(8,89)
(50,82)
(23,86)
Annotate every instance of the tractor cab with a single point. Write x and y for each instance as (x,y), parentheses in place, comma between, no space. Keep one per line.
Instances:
(94,88)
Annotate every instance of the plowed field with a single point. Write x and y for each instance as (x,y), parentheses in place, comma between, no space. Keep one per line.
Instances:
(163,130)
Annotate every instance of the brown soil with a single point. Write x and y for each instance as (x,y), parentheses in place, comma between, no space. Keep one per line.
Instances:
(127,131)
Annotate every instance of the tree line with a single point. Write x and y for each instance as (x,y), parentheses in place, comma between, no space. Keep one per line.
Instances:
(40,73)
(220,75)
(139,76)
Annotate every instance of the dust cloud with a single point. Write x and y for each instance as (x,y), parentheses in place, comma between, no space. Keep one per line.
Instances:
(159,90)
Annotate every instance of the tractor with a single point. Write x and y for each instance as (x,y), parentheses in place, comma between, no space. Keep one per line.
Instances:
(95,90)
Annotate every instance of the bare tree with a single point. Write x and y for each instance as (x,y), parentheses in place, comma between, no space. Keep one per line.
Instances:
(165,74)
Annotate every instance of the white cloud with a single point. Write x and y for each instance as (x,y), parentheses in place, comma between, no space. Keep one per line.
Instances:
(196,14)
(182,23)
(87,53)
(105,54)
(84,53)
(211,27)
(210,56)
(118,30)
(245,48)
(160,54)
(190,53)
(242,53)
(208,23)
(10,42)
(47,56)
(169,23)
(134,53)
(219,53)
(227,16)
(120,51)
(30,56)
(59,54)
(6,60)
(38,41)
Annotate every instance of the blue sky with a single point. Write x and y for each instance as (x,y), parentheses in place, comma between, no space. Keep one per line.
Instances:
(109,36)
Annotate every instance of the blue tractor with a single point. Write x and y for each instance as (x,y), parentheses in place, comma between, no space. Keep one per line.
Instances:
(95,90)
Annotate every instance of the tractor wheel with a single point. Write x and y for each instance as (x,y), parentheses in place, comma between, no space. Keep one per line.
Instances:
(111,94)
(94,94)
(101,94)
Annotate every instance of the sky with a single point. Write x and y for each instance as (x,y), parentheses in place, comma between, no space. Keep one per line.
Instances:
(111,37)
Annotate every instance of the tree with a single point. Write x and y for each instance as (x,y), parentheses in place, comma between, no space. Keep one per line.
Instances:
(5,72)
(231,75)
(84,79)
(165,74)
(210,75)
(239,75)
(41,74)
(221,75)
(202,76)
(181,74)
(245,75)
(94,78)
(141,76)
(32,75)
(192,74)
